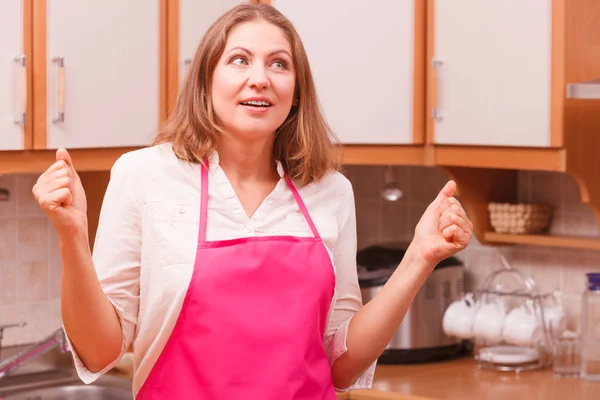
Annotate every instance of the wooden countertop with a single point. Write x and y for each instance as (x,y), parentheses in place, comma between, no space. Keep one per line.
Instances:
(461,379)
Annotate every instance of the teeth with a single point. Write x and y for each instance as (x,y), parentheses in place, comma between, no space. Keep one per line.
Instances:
(257,103)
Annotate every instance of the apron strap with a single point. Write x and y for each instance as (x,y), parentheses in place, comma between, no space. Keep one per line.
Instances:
(302,207)
(204,203)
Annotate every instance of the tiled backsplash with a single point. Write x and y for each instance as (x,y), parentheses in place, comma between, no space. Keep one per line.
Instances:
(30,262)
(29,265)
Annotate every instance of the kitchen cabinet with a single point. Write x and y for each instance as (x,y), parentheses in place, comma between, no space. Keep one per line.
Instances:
(367,63)
(15,75)
(96,73)
(498,103)
(188,21)
(493,73)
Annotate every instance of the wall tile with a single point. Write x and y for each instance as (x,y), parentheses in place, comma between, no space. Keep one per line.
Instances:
(368,221)
(42,318)
(8,282)
(395,223)
(27,206)
(32,281)
(54,277)
(8,207)
(8,239)
(582,223)
(425,184)
(368,182)
(32,239)
(546,187)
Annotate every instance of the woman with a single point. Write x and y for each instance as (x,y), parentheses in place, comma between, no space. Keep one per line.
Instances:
(226,251)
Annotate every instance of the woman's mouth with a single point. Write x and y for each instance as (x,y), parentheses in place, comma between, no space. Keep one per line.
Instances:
(256,106)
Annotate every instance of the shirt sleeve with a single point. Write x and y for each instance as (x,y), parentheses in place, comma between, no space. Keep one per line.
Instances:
(348,297)
(116,256)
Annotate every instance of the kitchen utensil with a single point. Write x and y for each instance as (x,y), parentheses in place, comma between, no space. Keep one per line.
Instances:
(420,337)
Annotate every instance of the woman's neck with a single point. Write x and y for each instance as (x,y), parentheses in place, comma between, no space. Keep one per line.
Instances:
(247,162)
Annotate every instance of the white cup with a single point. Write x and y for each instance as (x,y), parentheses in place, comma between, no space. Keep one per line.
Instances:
(522,327)
(458,318)
(489,320)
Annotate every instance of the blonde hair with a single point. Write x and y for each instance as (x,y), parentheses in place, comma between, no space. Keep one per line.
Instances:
(304,143)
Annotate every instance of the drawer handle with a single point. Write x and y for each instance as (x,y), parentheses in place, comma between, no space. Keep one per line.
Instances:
(21,61)
(435,111)
(60,61)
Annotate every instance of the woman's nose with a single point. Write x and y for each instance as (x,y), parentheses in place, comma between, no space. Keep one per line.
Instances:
(258,77)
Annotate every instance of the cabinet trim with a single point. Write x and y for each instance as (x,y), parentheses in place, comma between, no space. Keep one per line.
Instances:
(420,77)
(28,51)
(431,74)
(557,73)
(163,61)
(172,53)
(385,154)
(520,158)
(37,161)
(39,74)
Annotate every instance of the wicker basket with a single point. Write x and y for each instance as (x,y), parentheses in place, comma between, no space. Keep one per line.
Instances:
(520,218)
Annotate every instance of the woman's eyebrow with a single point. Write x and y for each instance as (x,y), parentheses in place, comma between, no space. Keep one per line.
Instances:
(245,50)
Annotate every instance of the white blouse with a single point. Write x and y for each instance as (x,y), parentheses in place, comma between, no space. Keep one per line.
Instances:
(145,245)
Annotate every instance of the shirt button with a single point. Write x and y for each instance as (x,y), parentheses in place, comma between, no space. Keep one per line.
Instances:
(248,229)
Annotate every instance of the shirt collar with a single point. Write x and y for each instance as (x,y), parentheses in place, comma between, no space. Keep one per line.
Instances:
(213,162)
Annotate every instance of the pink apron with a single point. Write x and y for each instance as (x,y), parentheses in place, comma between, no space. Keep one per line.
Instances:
(253,320)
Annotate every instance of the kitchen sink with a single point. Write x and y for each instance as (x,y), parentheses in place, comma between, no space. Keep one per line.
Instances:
(73,392)
(107,387)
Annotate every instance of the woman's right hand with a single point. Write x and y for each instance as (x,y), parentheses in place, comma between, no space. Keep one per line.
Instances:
(61,196)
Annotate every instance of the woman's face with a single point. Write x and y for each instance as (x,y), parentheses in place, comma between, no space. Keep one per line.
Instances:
(253,83)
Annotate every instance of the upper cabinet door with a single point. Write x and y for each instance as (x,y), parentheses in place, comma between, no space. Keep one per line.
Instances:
(195,16)
(13,75)
(363,57)
(102,72)
(491,72)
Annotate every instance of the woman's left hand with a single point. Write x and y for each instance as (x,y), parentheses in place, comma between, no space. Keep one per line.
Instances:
(444,228)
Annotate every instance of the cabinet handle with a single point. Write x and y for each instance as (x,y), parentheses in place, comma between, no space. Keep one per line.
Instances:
(22,89)
(60,61)
(435,111)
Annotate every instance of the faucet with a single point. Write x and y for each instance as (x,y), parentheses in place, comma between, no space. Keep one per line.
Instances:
(56,339)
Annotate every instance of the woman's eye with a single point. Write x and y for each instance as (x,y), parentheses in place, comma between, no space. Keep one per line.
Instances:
(238,61)
(279,64)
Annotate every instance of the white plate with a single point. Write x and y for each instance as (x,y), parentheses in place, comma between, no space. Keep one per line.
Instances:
(509,354)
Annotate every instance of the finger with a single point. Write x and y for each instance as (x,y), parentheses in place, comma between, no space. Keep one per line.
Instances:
(63,154)
(56,174)
(57,198)
(457,236)
(451,218)
(59,183)
(449,202)
(447,191)
(57,165)
(63,197)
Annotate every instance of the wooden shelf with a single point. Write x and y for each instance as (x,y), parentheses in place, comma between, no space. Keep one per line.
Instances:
(36,161)
(543,240)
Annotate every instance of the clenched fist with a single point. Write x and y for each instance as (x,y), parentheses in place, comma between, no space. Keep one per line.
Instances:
(61,196)
(444,228)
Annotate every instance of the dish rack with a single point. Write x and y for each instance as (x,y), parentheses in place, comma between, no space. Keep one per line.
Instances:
(526,293)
